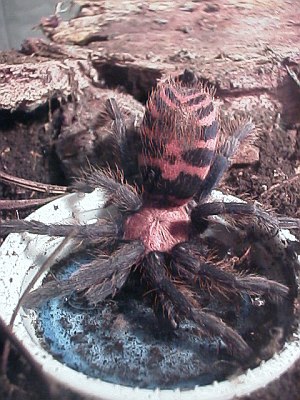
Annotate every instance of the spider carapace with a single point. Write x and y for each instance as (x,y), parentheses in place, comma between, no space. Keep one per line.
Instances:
(158,219)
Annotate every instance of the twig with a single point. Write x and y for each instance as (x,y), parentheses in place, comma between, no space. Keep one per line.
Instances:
(22,204)
(36,186)
(276,185)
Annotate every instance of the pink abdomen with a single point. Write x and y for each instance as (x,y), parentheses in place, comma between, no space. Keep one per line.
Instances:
(179,134)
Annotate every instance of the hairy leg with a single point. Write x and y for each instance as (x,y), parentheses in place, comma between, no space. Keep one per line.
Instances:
(236,133)
(103,230)
(239,210)
(119,127)
(117,191)
(249,226)
(127,138)
(184,305)
(100,278)
(192,267)
(265,221)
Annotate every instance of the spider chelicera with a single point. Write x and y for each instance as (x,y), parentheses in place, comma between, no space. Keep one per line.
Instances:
(182,153)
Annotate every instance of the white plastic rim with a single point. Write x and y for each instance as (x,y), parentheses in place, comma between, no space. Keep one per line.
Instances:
(22,254)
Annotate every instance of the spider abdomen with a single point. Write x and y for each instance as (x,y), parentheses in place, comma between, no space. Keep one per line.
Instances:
(179,135)
(159,229)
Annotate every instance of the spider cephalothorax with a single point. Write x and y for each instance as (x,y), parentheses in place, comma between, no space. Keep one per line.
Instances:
(154,228)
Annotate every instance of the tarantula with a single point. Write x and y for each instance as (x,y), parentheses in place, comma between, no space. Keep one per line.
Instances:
(182,153)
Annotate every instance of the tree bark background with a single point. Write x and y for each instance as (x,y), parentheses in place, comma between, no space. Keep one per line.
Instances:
(248,50)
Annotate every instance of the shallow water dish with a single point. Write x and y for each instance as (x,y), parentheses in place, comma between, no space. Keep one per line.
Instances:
(22,255)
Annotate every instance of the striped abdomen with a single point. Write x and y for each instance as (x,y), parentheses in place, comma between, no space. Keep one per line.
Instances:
(179,133)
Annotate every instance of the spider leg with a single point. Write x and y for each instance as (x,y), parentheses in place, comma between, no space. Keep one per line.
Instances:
(222,159)
(258,228)
(191,266)
(267,222)
(100,278)
(119,193)
(289,222)
(168,309)
(127,138)
(119,127)
(184,305)
(103,230)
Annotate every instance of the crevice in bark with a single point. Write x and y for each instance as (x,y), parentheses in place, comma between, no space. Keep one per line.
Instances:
(8,119)
(133,80)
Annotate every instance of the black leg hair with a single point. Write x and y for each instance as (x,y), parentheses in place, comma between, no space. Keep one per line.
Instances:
(104,230)
(252,217)
(120,133)
(102,277)
(168,309)
(289,222)
(215,174)
(117,191)
(185,306)
(195,269)
(259,230)
(266,221)
(119,127)
(266,227)
(222,160)
(154,268)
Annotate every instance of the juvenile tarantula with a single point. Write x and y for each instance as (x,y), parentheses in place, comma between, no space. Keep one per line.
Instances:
(182,156)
